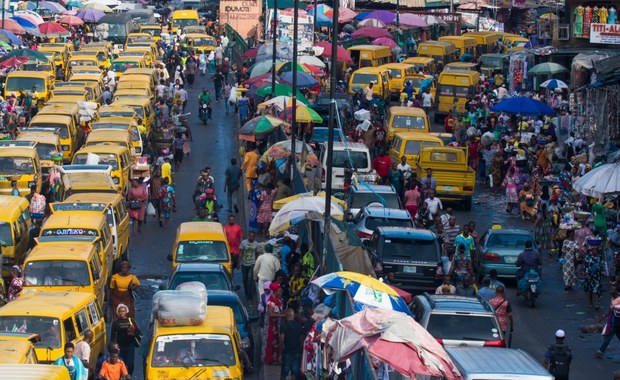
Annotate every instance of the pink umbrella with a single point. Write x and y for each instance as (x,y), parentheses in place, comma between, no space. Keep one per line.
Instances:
(411,20)
(70,20)
(346,15)
(11,26)
(385,42)
(53,30)
(341,54)
(371,32)
(257,79)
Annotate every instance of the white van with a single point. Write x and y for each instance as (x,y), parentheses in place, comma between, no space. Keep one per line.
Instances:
(357,153)
(496,363)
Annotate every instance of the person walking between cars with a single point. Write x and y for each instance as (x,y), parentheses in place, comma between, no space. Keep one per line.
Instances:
(71,363)
(558,357)
(122,286)
(137,198)
(126,333)
(503,310)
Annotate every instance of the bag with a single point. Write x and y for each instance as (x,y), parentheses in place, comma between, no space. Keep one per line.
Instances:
(150,210)
(560,361)
(134,204)
(135,334)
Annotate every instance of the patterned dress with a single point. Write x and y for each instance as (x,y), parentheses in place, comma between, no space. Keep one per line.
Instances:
(166,200)
(569,250)
(592,267)
(512,197)
(271,332)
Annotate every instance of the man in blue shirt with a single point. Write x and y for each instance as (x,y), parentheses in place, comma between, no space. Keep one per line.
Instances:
(467,240)
(485,292)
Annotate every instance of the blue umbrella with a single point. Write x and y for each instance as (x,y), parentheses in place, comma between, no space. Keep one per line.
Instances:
(322,20)
(26,24)
(524,106)
(361,16)
(13,39)
(552,84)
(303,80)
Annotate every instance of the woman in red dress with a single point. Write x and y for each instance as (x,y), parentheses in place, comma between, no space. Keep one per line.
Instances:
(271,332)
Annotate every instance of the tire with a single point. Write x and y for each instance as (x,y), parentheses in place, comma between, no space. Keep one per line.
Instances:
(532,300)
(467,204)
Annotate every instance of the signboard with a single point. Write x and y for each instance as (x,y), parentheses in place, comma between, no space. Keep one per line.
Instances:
(305,28)
(605,34)
(241,15)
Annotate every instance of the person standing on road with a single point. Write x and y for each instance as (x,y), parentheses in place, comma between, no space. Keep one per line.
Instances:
(569,251)
(71,363)
(218,81)
(428,183)
(265,209)
(433,203)
(612,322)
(82,351)
(558,357)
(291,338)
(265,267)
(232,184)
(124,332)
(234,235)
(121,286)
(137,197)
(249,249)
(382,164)
(427,102)
(503,310)
(250,166)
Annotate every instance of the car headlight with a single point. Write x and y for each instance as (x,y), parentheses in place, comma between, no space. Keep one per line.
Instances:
(245,343)
(116,180)
(65,148)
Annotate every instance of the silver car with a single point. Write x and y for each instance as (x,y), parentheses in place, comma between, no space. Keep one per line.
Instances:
(371,217)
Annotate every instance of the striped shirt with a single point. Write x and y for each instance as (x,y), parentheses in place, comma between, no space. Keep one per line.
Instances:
(451,232)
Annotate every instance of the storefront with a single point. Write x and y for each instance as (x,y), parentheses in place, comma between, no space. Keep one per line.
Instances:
(588,14)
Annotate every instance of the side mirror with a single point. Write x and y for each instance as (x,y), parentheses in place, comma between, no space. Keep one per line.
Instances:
(169,257)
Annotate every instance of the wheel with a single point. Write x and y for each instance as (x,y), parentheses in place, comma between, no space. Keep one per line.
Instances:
(532,300)
(467,204)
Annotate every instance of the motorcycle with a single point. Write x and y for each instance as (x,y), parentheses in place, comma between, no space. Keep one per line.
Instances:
(529,286)
(204,113)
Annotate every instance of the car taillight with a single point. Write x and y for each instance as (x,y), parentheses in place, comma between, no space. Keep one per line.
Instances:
(495,343)
(440,341)
(490,256)
(363,235)
(468,188)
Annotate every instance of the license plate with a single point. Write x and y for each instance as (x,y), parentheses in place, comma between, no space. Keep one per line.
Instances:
(409,269)
(448,188)
(510,259)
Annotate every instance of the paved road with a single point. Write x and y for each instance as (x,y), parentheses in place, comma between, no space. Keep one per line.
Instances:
(216,143)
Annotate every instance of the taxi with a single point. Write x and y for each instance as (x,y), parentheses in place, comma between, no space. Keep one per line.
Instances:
(90,179)
(83,60)
(144,110)
(425,65)
(201,42)
(398,72)
(91,77)
(132,37)
(410,144)
(147,48)
(417,81)
(67,99)
(15,222)
(380,77)
(26,80)
(47,145)
(117,111)
(183,18)
(121,64)
(69,134)
(118,157)
(19,162)
(99,53)
(201,242)
(58,317)
(138,93)
(149,74)
(18,348)
(406,119)
(48,67)
(154,30)
(123,124)
(59,52)
(110,137)
(58,62)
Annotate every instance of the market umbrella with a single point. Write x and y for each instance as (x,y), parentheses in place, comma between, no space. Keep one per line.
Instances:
(98,6)
(346,15)
(283,67)
(371,22)
(4,47)
(90,14)
(304,114)
(523,105)
(371,32)
(365,290)
(257,78)
(603,180)
(12,26)
(309,208)
(406,296)
(552,84)
(310,60)
(386,16)
(13,62)
(259,126)
(341,53)
(282,90)
(303,80)
(321,9)
(262,68)
(71,20)
(9,37)
(73,4)
(276,205)
(411,20)
(280,102)
(392,338)
(27,20)
(314,70)
(53,30)
(385,42)
(547,68)
(52,7)
(348,28)
(25,53)
(250,53)
(548,16)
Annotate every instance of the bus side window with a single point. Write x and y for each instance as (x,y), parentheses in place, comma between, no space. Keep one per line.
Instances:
(70,334)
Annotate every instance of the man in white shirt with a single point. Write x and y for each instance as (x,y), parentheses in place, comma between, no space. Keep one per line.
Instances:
(161,89)
(183,94)
(224,40)
(109,79)
(434,204)
(427,101)
(265,267)
(404,167)
(82,349)
(368,92)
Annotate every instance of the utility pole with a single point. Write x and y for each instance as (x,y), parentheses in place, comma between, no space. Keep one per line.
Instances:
(314,23)
(274,31)
(333,114)
(294,108)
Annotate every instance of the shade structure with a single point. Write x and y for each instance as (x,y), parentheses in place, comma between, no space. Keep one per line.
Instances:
(310,60)
(322,20)
(346,15)
(32,16)
(259,126)
(310,208)
(282,90)
(411,20)
(13,62)
(5,47)
(25,53)
(552,84)
(262,68)
(523,105)
(385,42)
(74,4)
(281,202)
(70,20)
(341,53)
(280,102)
(304,114)
(548,16)
(314,70)
(604,180)
(366,291)
(98,6)
(250,53)
(386,16)
(371,32)
(27,5)
(53,30)
(547,68)
(12,26)
(322,9)
(90,14)
(257,78)
(303,80)
(52,7)
(283,67)
(9,37)
(371,22)
(27,21)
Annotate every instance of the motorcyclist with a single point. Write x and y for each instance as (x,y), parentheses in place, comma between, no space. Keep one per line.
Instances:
(527,260)
(205,98)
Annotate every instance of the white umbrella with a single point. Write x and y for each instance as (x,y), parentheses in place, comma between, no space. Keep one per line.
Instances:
(371,22)
(281,102)
(310,60)
(309,208)
(604,180)
(553,84)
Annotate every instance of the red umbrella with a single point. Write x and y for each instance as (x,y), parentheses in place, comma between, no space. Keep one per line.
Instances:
(11,26)
(258,78)
(313,69)
(250,53)
(371,32)
(14,62)
(71,20)
(53,30)
(341,54)
(406,296)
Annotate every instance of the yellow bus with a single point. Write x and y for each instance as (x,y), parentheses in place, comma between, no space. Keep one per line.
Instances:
(370,55)
(453,89)
(183,18)
(441,51)
(463,44)
(398,72)
(487,41)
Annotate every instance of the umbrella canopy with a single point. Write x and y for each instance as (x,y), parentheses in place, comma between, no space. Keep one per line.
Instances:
(4,47)
(310,60)
(371,32)
(263,77)
(341,53)
(346,15)
(288,66)
(371,22)
(385,42)
(279,102)
(12,26)
(547,68)
(53,30)
(9,37)
(322,9)
(386,16)
(281,202)
(393,338)
(71,20)
(260,126)
(99,7)
(365,290)
(282,90)
(262,68)
(27,20)
(524,106)
(90,14)
(411,20)
(312,69)
(552,84)
(305,114)
(309,208)
(548,16)
(73,4)
(27,5)
(25,53)
(52,7)
(604,180)
(13,62)
(406,296)
(250,53)
(303,80)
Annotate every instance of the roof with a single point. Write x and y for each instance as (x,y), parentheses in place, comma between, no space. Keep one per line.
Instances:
(39,137)
(32,74)
(456,38)
(141,102)
(33,371)
(200,227)
(106,198)
(422,136)
(392,213)
(111,134)
(13,351)
(420,59)
(139,70)
(45,303)
(17,151)
(367,47)
(50,118)
(459,303)
(373,189)
(9,203)
(349,145)
(99,148)
(370,70)
(90,180)
(73,220)
(414,111)
(491,360)
(407,232)
(64,250)
(396,65)
(49,241)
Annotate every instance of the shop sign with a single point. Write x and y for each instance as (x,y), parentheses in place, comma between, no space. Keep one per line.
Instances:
(241,15)
(450,18)
(605,34)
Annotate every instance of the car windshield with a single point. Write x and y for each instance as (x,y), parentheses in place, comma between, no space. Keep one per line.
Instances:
(183,22)
(389,200)
(63,130)
(56,273)
(413,146)
(103,113)
(16,165)
(193,350)
(211,280)
(396,73)
(45,150)
(48,328)
(14,83)
(203,42)
(463,327)
(359,159)
(374,222)
(364,78)
(96,159)
(6,236)
(508,241)
(410,249)
(408,122)
(122,66)
(201,251)
(490,62)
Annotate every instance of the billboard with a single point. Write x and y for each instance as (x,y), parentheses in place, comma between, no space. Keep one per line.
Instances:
(241,15)
(605,34)
(305,28)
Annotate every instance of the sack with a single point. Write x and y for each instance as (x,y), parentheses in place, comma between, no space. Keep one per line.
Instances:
(179,308)
(134,204)
(150,210)
(196,287)
(560,361)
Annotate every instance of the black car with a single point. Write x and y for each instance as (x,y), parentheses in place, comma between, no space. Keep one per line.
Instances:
(323,101)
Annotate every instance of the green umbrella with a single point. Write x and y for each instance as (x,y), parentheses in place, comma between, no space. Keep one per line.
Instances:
(5,46)
(260,126)
(288,66)
(282,90)
(262,68)
(547,68)
(305,114)
(25,53)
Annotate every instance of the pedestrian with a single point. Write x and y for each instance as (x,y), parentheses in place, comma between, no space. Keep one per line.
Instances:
(297,283)
(265,267)
(249,250)
(71,363)
(271,331)
(493,281)
(558,357)
(569,253)
(503,310)
(82,351)
(190,71)
(307,261)
(510,183)
(592,283)
(412,199)
(177,146)
(446,287)
(17,283)
(243,106)
(485,292)
(397,180)
(113,368)
(461,265)
(112,346)
(427,102)
(428,183)
(218,81)
(226,90)
(382,164)
(126,333)
(250,166)
(433,203)
(167,202)
(265,209)
(612,322)
(234,236)
(122,286)
(291,337)
(14,190)
(232,184)
(467,241)
(137,198)
(544,229)
(254,198)
(465,289)
(166,170)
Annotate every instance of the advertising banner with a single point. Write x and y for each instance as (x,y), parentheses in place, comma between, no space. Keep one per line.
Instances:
(284,29)
(605,34)
(241,15)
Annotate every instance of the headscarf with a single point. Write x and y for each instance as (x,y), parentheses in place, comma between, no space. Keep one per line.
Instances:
(120,305)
